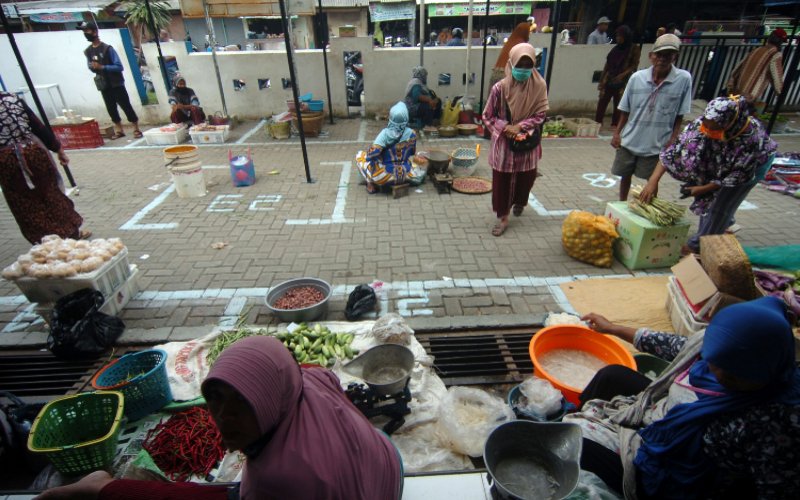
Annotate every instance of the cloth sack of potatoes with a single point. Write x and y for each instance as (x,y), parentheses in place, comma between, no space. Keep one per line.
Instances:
(589,238)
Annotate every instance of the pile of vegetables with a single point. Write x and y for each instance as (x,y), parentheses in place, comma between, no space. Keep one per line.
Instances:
(318,345)
(589,238)
(187,444)
(226,339)
(658,211)
(556,128)
(785,287)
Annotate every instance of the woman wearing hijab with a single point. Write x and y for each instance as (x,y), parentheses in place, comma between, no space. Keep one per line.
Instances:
(29,179)
(723,419)
(521,34)
(388,161)
(185,104)
(423,105)
(622,61)
(523,94)
(718,158)
(302,437)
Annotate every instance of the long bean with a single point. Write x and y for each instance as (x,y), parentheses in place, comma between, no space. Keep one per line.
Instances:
(657,211)
(226,339)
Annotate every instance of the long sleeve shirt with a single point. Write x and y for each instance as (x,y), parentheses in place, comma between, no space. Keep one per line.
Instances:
(501,158)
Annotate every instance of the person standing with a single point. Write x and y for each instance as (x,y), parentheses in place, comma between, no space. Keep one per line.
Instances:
(651,112)
(515,110)
(621,63)
(521,34)
(718,159)
(29,179)
(600,35)
(761,67)
(104,62)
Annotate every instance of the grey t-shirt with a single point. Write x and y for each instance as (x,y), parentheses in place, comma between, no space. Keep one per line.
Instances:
(597,38)
(653,109)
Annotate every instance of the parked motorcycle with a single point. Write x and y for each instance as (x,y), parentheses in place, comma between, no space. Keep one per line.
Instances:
(354,78)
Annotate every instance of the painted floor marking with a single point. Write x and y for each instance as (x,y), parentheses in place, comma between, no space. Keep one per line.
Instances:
(341,200)
(135,143)
(542,211)
(252,131)
(133,223)
(362,131)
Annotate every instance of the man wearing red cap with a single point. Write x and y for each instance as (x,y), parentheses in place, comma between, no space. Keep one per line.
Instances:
(762,66)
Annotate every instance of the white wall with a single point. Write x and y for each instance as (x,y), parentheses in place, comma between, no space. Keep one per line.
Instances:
(57,57)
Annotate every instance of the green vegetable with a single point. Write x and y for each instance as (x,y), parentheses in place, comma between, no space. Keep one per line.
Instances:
(658,211)
(318,344)
(227,338)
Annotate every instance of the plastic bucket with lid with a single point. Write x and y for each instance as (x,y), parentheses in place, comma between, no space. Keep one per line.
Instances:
(186,171)
(578,338)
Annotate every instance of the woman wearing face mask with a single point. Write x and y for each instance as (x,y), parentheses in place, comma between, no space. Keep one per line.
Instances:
(303,438)
(722,421)
(388,161)
(514,111)
(718,158)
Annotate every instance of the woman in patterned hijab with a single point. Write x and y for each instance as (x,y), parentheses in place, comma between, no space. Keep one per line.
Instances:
(29,179)
(716,158)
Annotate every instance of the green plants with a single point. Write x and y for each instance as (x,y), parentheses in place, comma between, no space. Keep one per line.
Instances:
(137,18)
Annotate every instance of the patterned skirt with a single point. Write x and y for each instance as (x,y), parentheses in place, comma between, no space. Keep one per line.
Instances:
(379,175)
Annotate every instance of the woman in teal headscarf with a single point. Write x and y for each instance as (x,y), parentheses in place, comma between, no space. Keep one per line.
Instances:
(388,161)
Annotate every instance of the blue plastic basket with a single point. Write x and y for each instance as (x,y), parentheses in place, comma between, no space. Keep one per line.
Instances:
(316,105)
(306,97)
(141,377)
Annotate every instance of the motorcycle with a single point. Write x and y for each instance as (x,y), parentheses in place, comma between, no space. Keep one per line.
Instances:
(354,78)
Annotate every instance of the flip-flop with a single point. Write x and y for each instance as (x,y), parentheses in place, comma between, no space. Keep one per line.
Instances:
(117,135)
(138,134)
(84,234)
(499,229)
(517,210)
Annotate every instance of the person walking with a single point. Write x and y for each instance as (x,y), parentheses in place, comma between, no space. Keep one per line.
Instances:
(104,62)
(719,157)
(651,112)
(600,35)
(761,67)
(622,61)
(514,113)
(29,179)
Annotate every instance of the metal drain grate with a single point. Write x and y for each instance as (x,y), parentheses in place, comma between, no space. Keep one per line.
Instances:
(480,357)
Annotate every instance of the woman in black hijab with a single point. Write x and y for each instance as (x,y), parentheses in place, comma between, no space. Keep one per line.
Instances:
(621,63)
(185,105)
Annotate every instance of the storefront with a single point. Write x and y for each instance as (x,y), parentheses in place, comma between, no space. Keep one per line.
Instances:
(395,19)
(342,13)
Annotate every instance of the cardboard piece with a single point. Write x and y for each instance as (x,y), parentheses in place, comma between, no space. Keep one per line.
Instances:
(642,244)
(701,294)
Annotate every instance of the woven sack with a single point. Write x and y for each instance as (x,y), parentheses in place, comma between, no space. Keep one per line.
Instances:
(589,238)
(728,266)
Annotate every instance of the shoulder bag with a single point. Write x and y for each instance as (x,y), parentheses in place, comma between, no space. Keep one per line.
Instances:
(532,138)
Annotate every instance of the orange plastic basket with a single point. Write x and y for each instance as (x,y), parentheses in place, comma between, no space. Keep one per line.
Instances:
(578,338)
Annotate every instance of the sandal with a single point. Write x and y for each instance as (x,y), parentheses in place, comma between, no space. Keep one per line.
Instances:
(499,229)
(517,210)
(138,134)
(117,135)
(84,234)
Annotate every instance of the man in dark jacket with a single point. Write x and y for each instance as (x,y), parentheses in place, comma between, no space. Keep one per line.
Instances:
(104,62)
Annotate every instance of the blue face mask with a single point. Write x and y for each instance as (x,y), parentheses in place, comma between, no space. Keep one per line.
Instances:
(521,74)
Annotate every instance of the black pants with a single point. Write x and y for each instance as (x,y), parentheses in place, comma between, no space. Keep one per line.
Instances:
(118,96)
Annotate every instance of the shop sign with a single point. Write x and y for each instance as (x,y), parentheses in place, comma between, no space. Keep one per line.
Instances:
(479,9)
(57,17)
(379,12)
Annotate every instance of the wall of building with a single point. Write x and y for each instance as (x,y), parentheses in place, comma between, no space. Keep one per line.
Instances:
(344,17)
(228,30)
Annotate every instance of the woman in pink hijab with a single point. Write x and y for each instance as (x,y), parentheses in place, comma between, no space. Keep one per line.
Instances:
(302,437)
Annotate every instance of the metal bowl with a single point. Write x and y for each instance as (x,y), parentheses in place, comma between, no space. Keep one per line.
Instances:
(306,314)
(466,129)
(448,131)
(438,162)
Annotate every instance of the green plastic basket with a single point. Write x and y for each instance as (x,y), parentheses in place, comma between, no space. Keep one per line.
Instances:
(79,433)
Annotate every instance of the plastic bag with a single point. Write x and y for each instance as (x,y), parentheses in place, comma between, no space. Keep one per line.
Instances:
(540,397)
(467,416)
(589,238)
(78,328)
(422,451)
(361,301)
(392,329)
(16,419)
(450,112)
(562,319)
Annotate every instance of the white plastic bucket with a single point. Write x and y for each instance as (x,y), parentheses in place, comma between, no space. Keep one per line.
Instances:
(189,180)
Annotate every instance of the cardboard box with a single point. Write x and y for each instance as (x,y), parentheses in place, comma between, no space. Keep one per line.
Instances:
(642,244)
(701,294)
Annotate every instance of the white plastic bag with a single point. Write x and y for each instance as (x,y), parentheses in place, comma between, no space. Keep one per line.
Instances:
(562,319)
(392,329)
(422,451)
(539,397)
(467,416)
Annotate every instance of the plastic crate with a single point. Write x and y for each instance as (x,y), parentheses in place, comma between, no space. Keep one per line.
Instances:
(141,377)
(680,314)
(582,127)
(114,303)
(79,433)
(156,137)
(218,136)
(106,279)
(84,135)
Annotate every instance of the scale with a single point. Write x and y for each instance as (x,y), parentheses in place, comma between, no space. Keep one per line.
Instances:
(386,369)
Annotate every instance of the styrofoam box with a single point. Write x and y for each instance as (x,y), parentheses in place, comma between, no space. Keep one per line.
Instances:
(107,278)
(155,137)
(114,303)
(679,312)
(218,136)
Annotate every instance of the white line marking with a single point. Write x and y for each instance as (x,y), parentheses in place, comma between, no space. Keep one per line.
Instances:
(133,222)
(362,131)
(22,320)
(540,210)
(252,131)
(746,205)
(341,200)
(135,143)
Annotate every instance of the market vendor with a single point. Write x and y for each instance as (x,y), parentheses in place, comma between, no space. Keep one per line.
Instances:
(302,437)
(718,158)
(423,105)
(388,161)
(723,419)
(185,104)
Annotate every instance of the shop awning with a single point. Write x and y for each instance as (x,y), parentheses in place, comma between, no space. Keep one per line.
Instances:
(392,11)
(62,6)
(339,4)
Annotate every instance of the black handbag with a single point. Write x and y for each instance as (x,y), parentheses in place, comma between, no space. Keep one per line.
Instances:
(532,137)
(100,82)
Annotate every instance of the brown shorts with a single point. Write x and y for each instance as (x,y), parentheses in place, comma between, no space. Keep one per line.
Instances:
(627,164)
